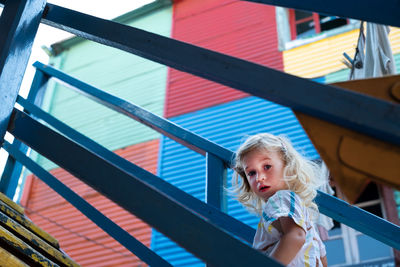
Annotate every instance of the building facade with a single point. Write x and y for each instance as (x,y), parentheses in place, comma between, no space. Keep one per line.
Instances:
(303,44)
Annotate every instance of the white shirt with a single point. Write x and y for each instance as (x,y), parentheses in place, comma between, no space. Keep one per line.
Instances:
(286,203)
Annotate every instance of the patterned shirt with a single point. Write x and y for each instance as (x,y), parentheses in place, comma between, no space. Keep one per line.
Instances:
(286,203)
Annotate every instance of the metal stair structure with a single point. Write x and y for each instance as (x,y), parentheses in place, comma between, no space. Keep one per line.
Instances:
(201,228)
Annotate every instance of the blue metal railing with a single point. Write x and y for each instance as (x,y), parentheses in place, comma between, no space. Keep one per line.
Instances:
(225,244)
(331,206)
(128,185)
(321,101)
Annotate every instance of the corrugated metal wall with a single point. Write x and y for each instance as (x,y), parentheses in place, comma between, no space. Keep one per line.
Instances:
(226,124)
(78,236)
(131,78)
(222,26)
(120,73)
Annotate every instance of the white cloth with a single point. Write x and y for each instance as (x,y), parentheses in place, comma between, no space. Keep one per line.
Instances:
(377,60)
(286,203)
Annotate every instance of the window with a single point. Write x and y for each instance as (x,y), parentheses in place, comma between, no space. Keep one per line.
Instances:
(296,27)
(306,24)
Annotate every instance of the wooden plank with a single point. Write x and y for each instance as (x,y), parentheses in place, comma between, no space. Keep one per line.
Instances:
(23,248)
(4,208)
(12,204)
(36,242)
(9,260)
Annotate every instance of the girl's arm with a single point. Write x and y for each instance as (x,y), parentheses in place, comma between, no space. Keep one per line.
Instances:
(293,238)
(324,261)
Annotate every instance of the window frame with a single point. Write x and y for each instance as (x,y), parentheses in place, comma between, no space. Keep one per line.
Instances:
(314,17)
(284,31)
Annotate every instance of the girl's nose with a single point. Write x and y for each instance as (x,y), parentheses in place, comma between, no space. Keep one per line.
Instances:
(260,177)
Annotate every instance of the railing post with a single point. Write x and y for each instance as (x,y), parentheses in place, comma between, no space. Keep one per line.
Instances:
(12,171)
(215,182)
(19,23)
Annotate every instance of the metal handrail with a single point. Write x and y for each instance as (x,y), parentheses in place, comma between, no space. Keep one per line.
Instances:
(339,210)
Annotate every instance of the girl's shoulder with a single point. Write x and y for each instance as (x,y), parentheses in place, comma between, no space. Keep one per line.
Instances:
(285,197)
(283,202)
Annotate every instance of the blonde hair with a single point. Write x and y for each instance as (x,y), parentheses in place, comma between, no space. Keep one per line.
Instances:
(300,174)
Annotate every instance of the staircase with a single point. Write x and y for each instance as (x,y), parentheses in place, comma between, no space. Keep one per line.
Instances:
(201,228)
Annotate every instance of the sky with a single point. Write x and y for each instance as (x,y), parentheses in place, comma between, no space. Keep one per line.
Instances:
(47,35)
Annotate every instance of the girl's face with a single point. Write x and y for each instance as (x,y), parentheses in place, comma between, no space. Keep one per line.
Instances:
(264,172)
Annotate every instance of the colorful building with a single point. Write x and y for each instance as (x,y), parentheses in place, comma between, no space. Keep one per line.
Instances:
(275,37)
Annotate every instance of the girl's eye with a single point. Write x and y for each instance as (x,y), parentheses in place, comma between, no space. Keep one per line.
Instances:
(251,173)
(267,167)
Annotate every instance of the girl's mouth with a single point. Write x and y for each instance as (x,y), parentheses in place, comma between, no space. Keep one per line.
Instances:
(264,188)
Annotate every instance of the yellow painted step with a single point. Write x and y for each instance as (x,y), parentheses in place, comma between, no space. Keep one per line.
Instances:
(28,224)
(12,204)
(21,249)
(36,242)
(7,259)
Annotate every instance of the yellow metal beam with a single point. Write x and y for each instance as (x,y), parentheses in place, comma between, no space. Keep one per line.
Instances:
(354,158)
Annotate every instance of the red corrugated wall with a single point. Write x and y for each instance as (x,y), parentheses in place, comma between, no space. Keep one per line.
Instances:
(241,29)
(78,236)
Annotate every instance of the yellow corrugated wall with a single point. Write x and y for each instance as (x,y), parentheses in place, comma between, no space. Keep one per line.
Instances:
(324,56)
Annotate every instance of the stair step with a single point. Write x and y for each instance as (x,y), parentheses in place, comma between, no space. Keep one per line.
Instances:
(22,250)
(22,243)
(28,224)
(12,204)
(7,259)
(36,242)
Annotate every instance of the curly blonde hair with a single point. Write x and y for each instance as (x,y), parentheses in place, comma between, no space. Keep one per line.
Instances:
(300,174)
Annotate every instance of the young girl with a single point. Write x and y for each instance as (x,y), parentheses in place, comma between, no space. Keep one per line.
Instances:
(275,181)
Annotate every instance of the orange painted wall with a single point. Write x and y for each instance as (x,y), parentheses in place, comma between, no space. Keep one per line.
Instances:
(78,236)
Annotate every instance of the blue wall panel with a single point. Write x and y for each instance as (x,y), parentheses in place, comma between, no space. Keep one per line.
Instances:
(228,125)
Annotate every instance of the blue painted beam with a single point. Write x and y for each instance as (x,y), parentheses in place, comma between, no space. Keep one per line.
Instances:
(157,123)
(119,234)
(353,110)
(19,23)
(331,204)
(217,217)
(185,226)
(341,211)
(359,219)
(12,171)
(382,12)
(215,182)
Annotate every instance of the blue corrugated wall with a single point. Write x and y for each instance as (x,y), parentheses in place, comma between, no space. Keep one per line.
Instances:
(228,125)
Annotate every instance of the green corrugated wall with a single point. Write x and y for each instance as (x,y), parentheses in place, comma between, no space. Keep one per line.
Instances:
(130,77)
